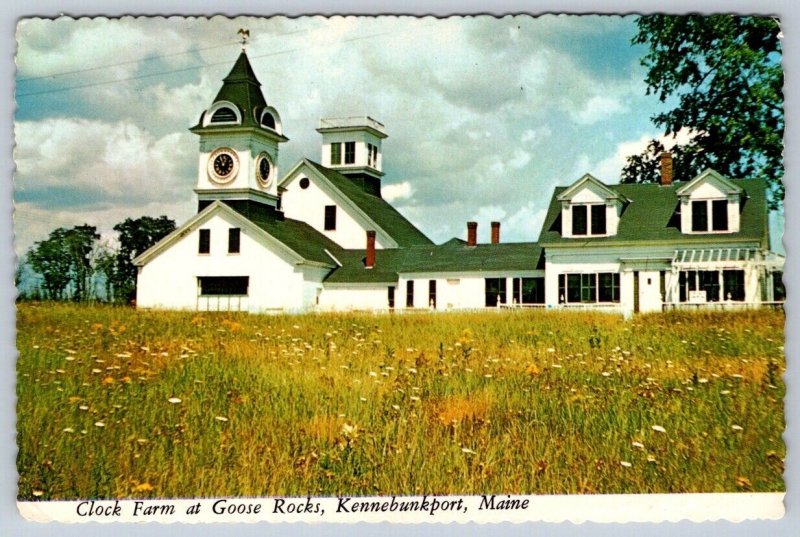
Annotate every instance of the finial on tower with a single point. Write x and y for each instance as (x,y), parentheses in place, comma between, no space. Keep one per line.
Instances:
(244,33)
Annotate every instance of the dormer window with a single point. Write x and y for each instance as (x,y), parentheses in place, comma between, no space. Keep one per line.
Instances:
(224,115)
(336,153)
(710,203)
(581,220)
(268,121)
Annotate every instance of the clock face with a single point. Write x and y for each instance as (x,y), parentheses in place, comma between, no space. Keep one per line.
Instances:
(223,165)
(263,169)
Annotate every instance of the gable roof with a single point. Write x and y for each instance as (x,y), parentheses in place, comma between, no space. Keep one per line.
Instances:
(453,256)
(709,174)
(296,239)
(651,216)
(573,189)
(377,209)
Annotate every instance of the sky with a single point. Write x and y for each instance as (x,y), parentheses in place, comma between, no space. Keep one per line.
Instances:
(485,115)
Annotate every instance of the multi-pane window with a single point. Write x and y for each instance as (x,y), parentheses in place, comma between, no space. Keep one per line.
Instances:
(589,219)
(391,297)
(330,217)
(495,292)
(588,288)
(719,215)
(432,293)
(699,280)
(528,290)
(349,152)
(598,219)
(372,155)
(204,244)
(699,216)
(336,153)
(410,294)
(579,226)
(223,285)
(234,240)
(733,285)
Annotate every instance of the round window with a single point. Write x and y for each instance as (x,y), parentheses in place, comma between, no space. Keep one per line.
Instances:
(304,182)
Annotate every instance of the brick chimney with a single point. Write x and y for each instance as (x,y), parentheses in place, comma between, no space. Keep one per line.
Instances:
(370,261)
(495,232)
(666,168)
(472,233)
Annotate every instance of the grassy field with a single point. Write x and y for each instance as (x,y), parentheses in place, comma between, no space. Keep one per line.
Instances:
(115,403)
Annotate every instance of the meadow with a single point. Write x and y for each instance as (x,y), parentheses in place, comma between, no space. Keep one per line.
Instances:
(119,403)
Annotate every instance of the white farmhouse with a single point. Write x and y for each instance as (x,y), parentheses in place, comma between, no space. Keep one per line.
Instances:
(321,237)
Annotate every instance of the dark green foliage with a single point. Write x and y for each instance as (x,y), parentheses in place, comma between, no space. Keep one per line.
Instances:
(723,73)
(135,236)
(64,261)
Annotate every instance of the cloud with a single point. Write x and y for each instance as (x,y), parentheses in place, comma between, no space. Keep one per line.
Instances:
(397,191)
(598,108)
(609,169)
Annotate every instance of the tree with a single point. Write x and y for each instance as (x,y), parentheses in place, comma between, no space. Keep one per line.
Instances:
(135,236)
(64,262)
(724,75)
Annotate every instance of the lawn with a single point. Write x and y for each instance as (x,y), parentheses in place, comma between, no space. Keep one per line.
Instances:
(119,403)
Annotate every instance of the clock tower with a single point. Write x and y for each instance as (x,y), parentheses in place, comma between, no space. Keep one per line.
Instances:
(239,138)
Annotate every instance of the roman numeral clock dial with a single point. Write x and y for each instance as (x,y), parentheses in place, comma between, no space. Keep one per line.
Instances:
(223,165)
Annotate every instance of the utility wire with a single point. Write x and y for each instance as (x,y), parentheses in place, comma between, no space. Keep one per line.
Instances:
(191,68)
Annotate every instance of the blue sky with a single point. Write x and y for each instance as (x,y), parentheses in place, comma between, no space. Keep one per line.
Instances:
(484,115)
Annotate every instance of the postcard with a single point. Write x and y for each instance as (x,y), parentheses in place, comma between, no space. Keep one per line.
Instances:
(400,269)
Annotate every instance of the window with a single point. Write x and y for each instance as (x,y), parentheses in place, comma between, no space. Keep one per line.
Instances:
(733,285)
(719,215)
(608,287)
(223,285)
(562,288)
(432,293)
(778,289)
(330,217)
(495,292)
(234,235)
(224,115)
(699,280)
(410,294)
(349,152)
(204,246)
(304,182)
(391,297)
(699,216)
(579,220)
(590,288)
(598,219)
(268,120)
(528,290)
(370,147)
(336,153)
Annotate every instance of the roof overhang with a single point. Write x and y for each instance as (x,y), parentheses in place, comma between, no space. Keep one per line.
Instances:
(725,184)
(587,179)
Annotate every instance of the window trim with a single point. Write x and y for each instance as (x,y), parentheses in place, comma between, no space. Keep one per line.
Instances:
(204,241)
(349,153)
(709,204)
(237,233)
(330,218)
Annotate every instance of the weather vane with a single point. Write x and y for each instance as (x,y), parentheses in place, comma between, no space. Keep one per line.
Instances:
(245,35)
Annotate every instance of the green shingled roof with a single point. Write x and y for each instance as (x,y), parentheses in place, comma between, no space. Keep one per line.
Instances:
(376,208)
(452,256)
(242,88)
(650,216)
(298,236)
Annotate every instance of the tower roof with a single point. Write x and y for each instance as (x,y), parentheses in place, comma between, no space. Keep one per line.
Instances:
(242,88)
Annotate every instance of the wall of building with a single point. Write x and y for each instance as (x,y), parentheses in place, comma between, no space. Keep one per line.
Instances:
(169,281)
(308,205)
(465,290)
(347,297)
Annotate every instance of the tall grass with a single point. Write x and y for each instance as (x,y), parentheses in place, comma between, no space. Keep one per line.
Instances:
(114,402)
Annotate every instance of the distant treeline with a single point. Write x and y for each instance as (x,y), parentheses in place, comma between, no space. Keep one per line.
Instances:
(73,264)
